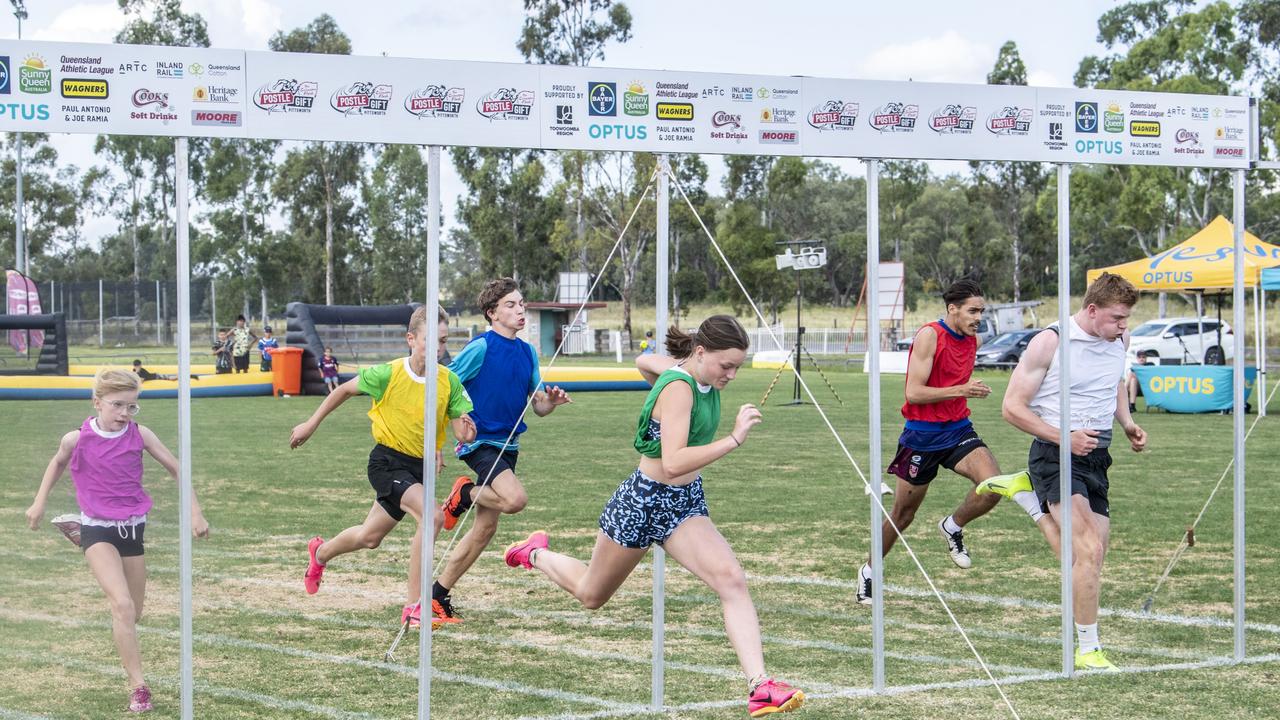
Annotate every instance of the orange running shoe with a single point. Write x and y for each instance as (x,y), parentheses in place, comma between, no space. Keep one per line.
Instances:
(442,612)
(452,503)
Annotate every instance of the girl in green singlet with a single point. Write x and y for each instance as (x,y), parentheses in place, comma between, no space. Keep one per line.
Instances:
(662,501)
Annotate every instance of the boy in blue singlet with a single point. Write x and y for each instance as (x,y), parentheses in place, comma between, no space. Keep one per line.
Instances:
(500,373)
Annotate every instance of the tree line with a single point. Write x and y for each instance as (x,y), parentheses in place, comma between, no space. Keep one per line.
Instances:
(336,222)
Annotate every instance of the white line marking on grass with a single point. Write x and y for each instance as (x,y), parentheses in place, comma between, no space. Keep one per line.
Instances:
(7,714)
(1017,602)
(228,641)
(924,688)
(933,630)
(171,682)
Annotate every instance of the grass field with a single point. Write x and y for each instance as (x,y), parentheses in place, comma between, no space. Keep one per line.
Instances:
(788,502)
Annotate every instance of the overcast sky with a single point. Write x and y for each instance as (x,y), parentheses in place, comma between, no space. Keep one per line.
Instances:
(925,40)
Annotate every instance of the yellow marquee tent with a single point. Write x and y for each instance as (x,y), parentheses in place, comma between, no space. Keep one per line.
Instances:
(1201,262)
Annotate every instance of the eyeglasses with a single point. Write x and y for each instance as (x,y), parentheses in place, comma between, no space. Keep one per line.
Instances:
(131,408)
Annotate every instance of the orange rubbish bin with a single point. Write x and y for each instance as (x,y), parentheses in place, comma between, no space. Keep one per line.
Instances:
(286,371)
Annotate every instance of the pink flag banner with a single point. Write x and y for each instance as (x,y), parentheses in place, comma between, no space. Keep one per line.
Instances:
(23,299)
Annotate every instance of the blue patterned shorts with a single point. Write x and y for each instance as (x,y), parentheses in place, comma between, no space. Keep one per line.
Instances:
(644,511)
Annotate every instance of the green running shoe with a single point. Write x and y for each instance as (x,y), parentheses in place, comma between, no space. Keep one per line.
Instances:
(1096,660)
(1006,485)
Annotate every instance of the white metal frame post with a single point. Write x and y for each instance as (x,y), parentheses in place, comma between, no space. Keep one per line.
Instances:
(429,426)
(1064,413)
(100,333)
(213,308)
(1238,307)
(661,293)
(873,461)
(183,271)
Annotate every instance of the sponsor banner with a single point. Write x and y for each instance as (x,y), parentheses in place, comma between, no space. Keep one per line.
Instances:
(657,111)
(141,90)
(1120,127)
(24,299)
(119,89)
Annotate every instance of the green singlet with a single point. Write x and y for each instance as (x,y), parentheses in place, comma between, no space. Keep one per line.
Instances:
(703,421)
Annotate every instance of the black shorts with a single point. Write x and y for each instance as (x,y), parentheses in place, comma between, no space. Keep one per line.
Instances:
(488,463)
(392,473)
(242,363)
(1088,476)
(265,365)
(127,539)
(920,467)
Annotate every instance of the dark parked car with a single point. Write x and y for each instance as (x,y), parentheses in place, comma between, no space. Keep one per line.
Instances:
(1005,349)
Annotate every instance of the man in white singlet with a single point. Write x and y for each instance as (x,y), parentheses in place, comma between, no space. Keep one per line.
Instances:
(1098,340)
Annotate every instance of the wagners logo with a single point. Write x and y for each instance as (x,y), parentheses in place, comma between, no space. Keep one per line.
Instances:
(674,111)
(221,118)
(82,88)
(1144,128)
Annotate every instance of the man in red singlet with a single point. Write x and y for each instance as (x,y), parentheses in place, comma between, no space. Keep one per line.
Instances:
(938,430)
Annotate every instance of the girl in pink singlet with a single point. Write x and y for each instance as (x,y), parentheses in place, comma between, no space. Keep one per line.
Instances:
(105,457)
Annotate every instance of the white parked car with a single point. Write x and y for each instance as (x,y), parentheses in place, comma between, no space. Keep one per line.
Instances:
(1184,340)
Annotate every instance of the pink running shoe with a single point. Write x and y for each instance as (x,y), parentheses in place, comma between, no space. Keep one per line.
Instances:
(413,615)
(69,524)
(773,696)
(140,699)
(315,571)
(519,554)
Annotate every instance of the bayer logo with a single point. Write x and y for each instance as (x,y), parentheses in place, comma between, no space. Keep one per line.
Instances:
(4,74)
(1087,117)
(602,99)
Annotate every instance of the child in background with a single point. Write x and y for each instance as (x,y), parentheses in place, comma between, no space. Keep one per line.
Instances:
(105,457)
(265,345)
(329,370)
(222,349)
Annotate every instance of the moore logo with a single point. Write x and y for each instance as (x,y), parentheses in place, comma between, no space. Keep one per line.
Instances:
(602,99)
(618,132)
(779,137)
(222,118)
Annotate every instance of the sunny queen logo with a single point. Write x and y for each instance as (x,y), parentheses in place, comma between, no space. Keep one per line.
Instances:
(1010,120)
(361,98)
(286,95)
(895,117)
(506,104)
(834,115)
(435,101)
(953,119)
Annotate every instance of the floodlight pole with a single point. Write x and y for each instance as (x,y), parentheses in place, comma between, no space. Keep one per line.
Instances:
(1238,301)
(432,306)
(183,271)
(20,259)
(873,432)
(660,338)
(1064,415)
